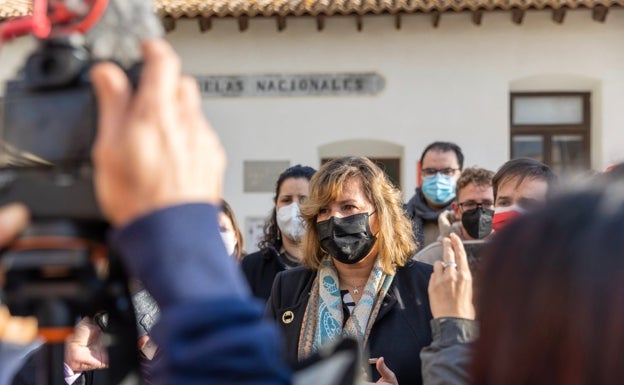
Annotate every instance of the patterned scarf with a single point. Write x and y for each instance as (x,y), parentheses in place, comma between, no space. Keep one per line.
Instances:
(323,318)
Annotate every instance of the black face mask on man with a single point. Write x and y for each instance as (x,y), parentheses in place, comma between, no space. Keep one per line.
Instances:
(477,222)
(347,239)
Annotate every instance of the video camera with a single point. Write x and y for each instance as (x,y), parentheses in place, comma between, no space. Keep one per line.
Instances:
(48,126)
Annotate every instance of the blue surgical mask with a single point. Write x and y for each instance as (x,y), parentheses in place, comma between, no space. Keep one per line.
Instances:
(439,188)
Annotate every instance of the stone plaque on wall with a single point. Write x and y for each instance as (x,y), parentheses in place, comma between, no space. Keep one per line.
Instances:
(261,175)
(280,85)
(254,231)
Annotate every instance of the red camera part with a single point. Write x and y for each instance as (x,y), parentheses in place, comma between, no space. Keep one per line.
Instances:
(53,16)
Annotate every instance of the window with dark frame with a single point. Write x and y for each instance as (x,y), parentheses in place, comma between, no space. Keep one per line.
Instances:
(552,127)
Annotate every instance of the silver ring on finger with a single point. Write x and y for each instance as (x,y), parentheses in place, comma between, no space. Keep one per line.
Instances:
(448,264)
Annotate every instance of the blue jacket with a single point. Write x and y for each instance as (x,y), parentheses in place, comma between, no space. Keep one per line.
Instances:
(211,330)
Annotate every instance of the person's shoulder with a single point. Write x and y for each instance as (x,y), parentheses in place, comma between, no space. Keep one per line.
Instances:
(256,258)
(290,286)
(413,277)
(413,267)
(296,274)
(249,258)
(409,205)
(431,253)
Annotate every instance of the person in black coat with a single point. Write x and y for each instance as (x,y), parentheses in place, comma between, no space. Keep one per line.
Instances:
(357,280)
(283,231)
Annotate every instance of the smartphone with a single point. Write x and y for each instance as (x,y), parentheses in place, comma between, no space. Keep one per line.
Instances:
(474,251)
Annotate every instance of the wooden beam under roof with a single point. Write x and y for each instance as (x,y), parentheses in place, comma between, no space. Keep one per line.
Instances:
(205,24)
(169,23)
(281,23)
(435,18)
(599,13)
(320,22)
(517,15)
(243,23)
(477,16)
(558,15)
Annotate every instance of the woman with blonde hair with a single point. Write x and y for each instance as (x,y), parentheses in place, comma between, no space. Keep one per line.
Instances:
(357,278)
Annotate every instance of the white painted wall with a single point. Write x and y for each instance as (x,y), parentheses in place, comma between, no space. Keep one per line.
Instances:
(12,56)
(446,83)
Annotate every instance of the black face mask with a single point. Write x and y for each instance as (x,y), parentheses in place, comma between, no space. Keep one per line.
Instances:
(478,222)
(347,239)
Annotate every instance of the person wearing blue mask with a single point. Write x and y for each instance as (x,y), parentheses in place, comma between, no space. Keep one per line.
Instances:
(473,210)
(441,164)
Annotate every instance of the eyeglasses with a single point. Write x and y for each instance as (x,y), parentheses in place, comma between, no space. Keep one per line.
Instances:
(471,205)
(448,171)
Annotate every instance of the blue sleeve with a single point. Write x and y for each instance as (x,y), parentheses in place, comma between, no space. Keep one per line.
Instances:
(179,256)
(211,329)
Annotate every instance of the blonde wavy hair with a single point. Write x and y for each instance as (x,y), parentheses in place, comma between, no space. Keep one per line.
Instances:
(395,239)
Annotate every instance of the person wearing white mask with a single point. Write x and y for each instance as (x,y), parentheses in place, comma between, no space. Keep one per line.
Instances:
(283,232)
(230,232)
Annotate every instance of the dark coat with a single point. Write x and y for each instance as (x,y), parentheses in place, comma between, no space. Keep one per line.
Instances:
(260,269)
(401,328)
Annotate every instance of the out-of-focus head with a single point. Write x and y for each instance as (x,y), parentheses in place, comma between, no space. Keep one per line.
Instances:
(291,187)
(522,181)
(358,176)
(520,185)
(230,231)
(441,163)
(551,292)
(474,205)
(615,171)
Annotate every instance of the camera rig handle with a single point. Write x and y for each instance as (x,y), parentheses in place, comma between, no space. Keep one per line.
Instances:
(57,271)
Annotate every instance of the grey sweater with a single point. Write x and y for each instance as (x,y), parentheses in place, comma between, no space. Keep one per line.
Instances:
(447,360)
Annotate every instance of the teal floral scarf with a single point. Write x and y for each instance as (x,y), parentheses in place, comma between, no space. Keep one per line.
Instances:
(324,319)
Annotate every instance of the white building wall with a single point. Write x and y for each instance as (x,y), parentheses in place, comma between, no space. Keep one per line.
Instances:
(446,83)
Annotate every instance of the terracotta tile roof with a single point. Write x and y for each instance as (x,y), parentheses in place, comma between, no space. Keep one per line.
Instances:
(14,8)
(236,8)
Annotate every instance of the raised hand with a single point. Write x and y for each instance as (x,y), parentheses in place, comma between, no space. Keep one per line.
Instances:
(84,349)
(154,148)
(450,286)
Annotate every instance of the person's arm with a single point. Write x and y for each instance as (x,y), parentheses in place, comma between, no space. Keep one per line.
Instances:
(447,359)
(18,335)
(158,176)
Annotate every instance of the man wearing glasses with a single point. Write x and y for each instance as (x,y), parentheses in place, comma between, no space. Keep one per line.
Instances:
(474,210)
(441,163)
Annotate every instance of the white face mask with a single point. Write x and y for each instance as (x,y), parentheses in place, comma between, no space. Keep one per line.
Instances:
(290,222)
(229,240)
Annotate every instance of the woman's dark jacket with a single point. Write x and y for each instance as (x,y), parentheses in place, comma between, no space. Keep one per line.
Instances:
(260,269)
(401,328)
